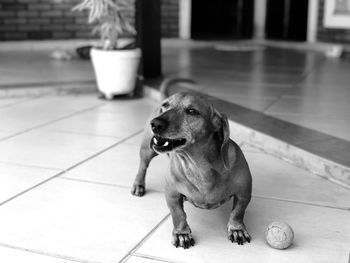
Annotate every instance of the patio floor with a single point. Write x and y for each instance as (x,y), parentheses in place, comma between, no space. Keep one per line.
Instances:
(298,86)
(67,163)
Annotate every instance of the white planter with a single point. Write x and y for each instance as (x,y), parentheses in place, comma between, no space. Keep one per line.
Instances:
(115,70)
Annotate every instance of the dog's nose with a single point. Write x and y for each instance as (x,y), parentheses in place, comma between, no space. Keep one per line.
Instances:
(158,125)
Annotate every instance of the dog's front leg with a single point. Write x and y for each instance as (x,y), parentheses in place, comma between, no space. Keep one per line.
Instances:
(237,231)
(146,155)
(181,235)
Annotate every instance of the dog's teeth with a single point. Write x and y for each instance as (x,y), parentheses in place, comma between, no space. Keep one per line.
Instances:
(166,143)
(155,140)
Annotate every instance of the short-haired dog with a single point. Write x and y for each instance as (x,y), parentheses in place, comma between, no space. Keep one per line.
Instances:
(206,167)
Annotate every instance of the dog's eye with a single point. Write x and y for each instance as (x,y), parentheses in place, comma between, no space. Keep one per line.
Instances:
(191,111)
(165,104)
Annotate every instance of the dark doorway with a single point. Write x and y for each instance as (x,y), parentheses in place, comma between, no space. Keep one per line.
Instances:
(222,19)
(286,20)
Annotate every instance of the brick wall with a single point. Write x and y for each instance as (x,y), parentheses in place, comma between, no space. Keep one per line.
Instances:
(53,19)
(41,19)
(170,18)
(330,34)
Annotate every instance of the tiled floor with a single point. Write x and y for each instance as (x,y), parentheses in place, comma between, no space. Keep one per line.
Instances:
(302,87)
(67,162)
(65,177)
(30,66)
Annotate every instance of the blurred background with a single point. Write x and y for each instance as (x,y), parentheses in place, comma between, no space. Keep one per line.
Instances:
(313,20)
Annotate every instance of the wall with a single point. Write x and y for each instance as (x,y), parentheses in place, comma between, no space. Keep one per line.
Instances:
(170,18)
(38,19)
(53,19)
(330,34)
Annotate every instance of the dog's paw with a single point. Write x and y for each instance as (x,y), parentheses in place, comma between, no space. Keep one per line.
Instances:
(138,190)
(239,235)
(183,240)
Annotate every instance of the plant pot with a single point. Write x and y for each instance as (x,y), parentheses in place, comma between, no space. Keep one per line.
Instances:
(115,70)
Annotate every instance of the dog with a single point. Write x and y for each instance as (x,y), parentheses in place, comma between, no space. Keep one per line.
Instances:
(206,167)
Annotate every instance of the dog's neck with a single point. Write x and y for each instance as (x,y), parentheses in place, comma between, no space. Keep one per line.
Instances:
(202,153)
(200,165)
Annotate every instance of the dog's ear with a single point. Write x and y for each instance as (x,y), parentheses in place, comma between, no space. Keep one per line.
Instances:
(227,149)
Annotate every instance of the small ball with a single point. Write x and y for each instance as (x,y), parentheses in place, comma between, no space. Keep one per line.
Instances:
(279,235)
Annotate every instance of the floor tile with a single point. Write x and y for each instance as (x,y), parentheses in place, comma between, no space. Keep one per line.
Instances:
(4,134)
(135,140)
(136,259)
(132,107)
(16,65)
(43,110)
(84,221)
(212,78)
(256,90)
(311,108)
(289,58)
(254,103)
(8,102)
(336,77)
(323,92)
(275,178)
(10,255)
(51,149)
(103,123)
(324,241)
(14,179)
(119,166)
(258,121)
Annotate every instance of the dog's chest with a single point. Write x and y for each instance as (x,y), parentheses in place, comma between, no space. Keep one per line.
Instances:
(203,186)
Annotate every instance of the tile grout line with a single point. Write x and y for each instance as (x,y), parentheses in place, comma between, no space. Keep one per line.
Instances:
(309,71)
(70,168)
(301,202)
(54,84)
(256,196)
(52,255)
(290,114)
(139,255)
(143,240)
(100,183)
(92,182)
(32,166)
(19,102)
(85,133)
(278,98)
(50,122)
(302,78)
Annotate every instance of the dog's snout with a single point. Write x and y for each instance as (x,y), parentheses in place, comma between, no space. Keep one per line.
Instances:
(158,125)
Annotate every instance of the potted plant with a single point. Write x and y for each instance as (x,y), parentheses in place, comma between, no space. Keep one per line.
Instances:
(115,64)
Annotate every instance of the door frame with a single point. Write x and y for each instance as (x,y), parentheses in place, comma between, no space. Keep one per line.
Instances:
(185,9)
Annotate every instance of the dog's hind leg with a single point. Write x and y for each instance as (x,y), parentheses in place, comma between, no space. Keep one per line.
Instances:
(146,155)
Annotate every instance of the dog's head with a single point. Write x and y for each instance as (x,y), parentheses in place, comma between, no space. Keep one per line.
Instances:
(186,119)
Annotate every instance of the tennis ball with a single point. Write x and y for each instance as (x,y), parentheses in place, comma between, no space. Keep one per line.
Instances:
(279,235)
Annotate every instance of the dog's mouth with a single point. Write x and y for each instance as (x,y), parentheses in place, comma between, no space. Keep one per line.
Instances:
(160,144)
